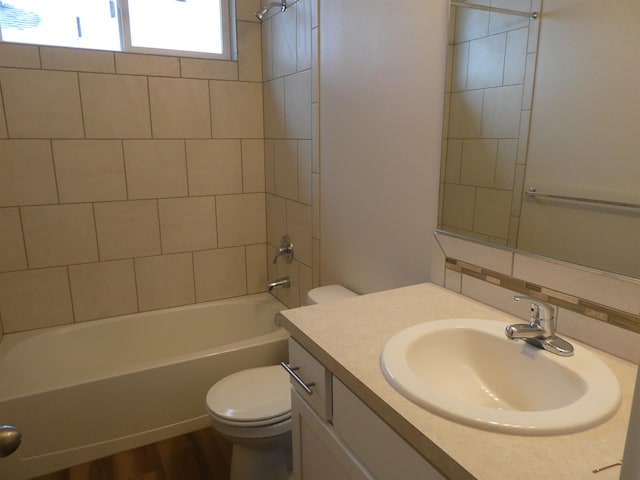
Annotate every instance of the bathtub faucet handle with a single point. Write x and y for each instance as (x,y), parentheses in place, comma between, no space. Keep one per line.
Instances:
(285,250)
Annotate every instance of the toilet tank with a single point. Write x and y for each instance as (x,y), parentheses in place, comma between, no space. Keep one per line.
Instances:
(328,293)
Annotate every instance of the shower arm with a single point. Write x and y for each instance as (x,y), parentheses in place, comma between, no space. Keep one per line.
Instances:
(260,14)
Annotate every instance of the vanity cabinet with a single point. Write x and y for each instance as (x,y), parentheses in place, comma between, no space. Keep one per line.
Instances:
(336,436)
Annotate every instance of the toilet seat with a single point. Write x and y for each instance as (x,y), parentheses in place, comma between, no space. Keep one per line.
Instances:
(251,398)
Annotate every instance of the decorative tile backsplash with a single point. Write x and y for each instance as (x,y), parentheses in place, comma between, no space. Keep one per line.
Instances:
(595,307)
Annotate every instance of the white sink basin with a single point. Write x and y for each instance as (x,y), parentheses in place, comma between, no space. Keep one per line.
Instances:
(466,370)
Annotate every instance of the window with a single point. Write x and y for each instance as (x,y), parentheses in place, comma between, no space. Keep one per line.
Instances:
(190,27)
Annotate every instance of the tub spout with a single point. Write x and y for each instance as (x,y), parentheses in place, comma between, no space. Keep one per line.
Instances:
(282,282)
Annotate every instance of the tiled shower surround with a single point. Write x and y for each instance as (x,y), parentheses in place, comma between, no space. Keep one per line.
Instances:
(491,62)
(137,182)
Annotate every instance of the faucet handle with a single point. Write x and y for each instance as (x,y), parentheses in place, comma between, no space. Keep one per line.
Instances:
(540,311)
(285,250)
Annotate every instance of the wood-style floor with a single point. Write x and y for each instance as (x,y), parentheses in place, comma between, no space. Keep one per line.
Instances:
(200,455)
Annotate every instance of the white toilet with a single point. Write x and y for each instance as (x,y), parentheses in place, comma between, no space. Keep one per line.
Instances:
(252,409)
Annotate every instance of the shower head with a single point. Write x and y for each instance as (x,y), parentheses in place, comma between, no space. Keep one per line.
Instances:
(260,14)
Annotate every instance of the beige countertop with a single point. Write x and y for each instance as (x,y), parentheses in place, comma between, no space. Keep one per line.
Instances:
(348,336)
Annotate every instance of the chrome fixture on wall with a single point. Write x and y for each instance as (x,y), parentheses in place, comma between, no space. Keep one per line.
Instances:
(260,14)
(282,282)
(10,438)
(285,250)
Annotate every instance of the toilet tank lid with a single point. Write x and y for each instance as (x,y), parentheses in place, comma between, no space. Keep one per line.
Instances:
(328,293)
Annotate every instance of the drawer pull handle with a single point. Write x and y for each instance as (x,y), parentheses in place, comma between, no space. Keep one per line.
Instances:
(291,371)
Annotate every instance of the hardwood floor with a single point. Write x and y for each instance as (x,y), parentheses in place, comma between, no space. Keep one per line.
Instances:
(200,455)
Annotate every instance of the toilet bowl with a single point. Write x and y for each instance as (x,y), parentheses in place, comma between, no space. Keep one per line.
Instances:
(252,409)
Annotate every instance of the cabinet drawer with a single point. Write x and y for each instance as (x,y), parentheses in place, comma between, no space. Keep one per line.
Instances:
(313,374)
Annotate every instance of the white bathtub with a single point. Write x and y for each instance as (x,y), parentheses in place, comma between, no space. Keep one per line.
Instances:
(87,390)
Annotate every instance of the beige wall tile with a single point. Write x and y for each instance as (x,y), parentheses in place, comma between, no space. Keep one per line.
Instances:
(501,112)
(515,56)
(315,70)
(156,65)
(35,299)
(273,92)
(20,56)
(12,254)
(209,69)
(59,235)
(41,104)
(276,219)
(127,229)
(115,106)
(289,296)
(155,168)
(315,141)
(297,91)
(188,224)
(495,259)
(492,212)
(164,281)
(245,9)
(299,225)
(267,52)
(285,161)
(304,171)
(479,162)
(179,108)
(305,282)
(249,51)
(316,263)
(3,124)
(486,62)
(284,41)
(103,289)
(269,167)
(214,166)
(466,114)
(506,163)
(458,206)
(75,59)
(241,219)
(303,35)
(253,173)
(315,186)
(460,63)
(26,173)
(256,268)
(220,273)
(579,281)
(89,170)
(236,109)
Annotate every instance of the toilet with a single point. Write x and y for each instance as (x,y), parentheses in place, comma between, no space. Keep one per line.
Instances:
(252,409)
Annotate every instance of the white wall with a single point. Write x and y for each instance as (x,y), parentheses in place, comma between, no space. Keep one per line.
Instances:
(382,69)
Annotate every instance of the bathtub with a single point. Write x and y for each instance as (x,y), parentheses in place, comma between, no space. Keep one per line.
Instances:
(87,390)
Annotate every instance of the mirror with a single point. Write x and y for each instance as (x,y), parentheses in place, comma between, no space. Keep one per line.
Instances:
(551,105)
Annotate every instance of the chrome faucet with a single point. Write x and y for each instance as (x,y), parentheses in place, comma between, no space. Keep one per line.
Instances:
(541,330)
(282,282)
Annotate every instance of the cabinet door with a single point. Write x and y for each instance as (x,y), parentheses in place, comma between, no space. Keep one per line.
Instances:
(383,451)
(317,452)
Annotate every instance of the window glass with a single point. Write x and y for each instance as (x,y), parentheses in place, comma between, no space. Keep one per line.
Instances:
(198,27)
(190,25)
(69,23)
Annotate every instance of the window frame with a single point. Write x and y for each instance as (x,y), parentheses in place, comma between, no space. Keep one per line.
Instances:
(125,37)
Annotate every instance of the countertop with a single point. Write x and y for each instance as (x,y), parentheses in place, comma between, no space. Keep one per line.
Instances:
(347,336)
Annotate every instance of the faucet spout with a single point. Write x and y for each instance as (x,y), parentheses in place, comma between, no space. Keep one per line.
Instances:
(541,330)
(282,282)
(523,331)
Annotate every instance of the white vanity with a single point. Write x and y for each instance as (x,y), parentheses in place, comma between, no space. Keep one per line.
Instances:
(354,425)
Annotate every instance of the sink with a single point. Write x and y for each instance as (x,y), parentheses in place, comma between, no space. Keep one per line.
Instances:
(466,370)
